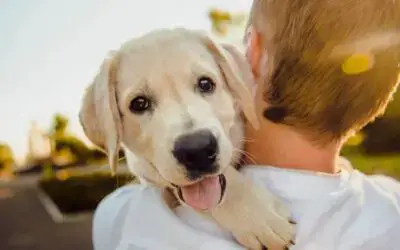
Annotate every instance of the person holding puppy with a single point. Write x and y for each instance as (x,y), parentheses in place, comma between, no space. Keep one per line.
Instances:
(323,69)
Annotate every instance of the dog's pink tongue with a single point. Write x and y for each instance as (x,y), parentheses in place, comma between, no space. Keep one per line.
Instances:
(204,194)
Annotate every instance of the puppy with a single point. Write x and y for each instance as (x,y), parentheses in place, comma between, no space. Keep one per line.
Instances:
(172,100)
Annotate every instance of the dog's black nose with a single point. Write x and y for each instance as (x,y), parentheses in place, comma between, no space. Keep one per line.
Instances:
(197,151)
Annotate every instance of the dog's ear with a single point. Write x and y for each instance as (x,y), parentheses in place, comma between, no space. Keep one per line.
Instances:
(238,74)
(99,114)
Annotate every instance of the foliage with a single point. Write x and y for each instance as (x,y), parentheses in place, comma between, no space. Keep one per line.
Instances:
(393,109)
(388,164)
(68,145)
(59,125)
(82,192)
(222,21)
(219,19)
(382,136)
(47,170)
(6,156)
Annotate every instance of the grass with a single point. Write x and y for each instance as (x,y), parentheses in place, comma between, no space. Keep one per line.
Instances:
(388,164)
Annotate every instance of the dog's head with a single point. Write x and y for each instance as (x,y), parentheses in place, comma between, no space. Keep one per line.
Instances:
(170,97)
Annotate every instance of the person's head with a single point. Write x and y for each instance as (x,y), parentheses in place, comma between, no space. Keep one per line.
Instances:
(324,68)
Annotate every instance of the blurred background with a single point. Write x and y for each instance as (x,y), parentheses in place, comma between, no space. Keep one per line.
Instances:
(51,177)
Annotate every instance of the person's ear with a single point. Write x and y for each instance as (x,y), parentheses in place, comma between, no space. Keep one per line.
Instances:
(253,50)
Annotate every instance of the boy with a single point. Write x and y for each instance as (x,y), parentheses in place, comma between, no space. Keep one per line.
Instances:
(324,69)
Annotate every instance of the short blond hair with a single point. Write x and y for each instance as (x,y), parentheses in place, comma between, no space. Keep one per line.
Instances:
(308,45)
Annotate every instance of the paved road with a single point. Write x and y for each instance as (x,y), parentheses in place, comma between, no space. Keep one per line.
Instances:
(25,181)
(25,225)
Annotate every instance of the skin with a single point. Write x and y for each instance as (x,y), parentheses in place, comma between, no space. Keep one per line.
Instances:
(285,147)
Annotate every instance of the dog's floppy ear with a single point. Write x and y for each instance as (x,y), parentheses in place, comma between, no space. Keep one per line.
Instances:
(238,74)
(99,115)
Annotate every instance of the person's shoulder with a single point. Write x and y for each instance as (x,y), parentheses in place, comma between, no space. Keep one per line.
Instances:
(132,194)
(383,187)
(380,190)
(113,210)
(386,182)
(377,184)
(382,197)
(378,216)
(382,210)
(120,198)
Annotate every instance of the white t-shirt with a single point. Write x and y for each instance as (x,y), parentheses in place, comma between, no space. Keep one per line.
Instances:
(348,211)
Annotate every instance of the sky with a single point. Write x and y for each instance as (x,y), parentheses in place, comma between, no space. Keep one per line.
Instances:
(50,51)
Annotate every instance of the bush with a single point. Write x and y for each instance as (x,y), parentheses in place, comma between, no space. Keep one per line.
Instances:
(382,136)
(82,193)
(6,157)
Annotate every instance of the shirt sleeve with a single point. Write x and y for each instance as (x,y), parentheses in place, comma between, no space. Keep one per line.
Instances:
(109,217)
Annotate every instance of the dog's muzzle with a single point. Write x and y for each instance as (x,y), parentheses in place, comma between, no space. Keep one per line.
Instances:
(197,152)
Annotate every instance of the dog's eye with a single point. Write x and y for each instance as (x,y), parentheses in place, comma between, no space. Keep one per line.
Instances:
(139,105)
(205,85)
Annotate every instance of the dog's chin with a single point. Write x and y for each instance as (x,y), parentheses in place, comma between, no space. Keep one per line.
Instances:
(204,194)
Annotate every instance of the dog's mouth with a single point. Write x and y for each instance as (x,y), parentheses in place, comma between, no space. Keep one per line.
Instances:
(205,194)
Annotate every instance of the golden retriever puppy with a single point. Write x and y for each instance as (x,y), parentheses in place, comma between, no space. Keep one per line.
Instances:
(172,100)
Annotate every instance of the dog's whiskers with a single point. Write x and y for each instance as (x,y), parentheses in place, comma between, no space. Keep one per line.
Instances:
(247,155)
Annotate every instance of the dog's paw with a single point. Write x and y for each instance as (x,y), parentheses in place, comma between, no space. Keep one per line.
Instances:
(267,227)
(256,218)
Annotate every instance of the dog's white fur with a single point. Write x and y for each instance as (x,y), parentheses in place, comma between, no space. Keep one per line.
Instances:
(165,65)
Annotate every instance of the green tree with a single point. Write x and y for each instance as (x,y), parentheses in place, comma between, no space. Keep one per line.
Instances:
(383,135)
(6,157)
(222,21)
(65,141)
(59,125)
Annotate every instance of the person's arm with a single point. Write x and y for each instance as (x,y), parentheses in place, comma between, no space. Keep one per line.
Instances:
(109,217)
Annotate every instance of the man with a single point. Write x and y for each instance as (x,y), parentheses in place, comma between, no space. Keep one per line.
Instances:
(324,69)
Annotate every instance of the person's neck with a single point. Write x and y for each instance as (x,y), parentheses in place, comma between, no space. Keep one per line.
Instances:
(280,146)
